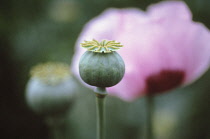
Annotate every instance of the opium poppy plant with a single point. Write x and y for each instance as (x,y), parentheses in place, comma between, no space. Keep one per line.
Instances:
(164,47)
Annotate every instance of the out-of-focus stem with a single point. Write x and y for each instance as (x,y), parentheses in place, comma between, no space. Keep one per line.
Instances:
(149,117)
(57,126)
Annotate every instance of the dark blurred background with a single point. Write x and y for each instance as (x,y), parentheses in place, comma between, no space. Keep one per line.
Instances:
(34,31)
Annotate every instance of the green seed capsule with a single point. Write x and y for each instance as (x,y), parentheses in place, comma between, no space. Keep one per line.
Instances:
(101,69)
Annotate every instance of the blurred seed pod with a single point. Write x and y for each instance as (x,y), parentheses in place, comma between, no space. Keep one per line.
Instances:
(50,89)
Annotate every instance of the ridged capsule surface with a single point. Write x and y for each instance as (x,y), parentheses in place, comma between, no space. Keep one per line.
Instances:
(101,69)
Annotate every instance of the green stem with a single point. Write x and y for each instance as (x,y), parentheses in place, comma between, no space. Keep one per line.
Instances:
(57,134)
(150,112)
(57,127)
(100,95)
(100,117)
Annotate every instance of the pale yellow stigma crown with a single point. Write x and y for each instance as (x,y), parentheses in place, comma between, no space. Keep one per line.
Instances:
(104,46)
(51,72)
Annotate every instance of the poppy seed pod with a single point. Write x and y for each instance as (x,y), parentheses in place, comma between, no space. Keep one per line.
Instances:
(100,66)
(50,89)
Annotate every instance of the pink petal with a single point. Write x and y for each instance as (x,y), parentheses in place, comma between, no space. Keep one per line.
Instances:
(163,49)
(169,9)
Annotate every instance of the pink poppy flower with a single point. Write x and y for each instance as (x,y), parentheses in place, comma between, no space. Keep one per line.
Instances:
(163,47)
